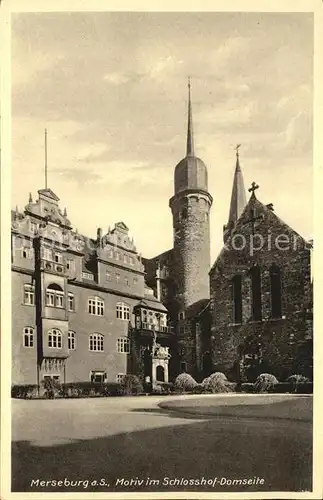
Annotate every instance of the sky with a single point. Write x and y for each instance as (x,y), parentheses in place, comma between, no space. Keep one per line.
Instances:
(111,89)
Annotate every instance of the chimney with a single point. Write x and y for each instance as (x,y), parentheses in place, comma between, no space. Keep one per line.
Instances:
(99,236)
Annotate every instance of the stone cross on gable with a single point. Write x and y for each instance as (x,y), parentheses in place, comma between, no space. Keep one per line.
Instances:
(253,188)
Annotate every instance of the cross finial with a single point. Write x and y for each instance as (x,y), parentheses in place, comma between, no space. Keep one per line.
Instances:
(253,188)
(237,149)
(189,82)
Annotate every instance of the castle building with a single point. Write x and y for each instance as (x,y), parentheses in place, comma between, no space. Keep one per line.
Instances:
(88,309)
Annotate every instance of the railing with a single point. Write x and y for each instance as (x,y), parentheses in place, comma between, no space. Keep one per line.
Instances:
(149,326)
(88,276)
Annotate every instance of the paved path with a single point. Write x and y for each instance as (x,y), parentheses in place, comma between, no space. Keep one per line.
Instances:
(114,440)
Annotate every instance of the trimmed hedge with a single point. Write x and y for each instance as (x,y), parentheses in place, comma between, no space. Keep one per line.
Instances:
(68,390)
(185,382)
(28,391)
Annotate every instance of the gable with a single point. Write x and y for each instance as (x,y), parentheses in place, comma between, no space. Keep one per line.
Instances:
(259,234)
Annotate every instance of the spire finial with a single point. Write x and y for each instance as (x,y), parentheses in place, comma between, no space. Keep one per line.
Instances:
(237,155)
(30,198)
(45,158)
(190,142)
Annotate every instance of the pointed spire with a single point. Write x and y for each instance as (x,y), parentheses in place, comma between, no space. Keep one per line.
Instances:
(65,212)
(30,198)
(190,141)
(238,196)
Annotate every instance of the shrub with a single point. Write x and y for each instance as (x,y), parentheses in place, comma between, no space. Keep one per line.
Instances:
(185,382)
(296,380)
(52,388)
(247,387)
(163,388)
(131,384)
(217,383)
(265,382)
(24,391)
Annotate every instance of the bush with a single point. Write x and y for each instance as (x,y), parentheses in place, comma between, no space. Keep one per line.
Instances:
(296,380)
(217,383)
(265,382)
(185,382)
(163,388)
(131,385)
(247,387)
(52,388)
(24,391)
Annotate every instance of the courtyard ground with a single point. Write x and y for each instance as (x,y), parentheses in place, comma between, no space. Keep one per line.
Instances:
(114,440)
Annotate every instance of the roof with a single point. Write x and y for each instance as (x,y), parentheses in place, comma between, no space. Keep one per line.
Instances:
(242,227)
(195,310)
(238,195)
(152,304)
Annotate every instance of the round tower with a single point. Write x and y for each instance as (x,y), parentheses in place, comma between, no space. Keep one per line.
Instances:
(190,207)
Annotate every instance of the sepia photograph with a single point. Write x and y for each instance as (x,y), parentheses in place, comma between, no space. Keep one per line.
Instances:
(161,252)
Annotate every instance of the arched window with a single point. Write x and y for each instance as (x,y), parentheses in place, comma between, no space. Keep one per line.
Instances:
(55,338)
(256,294)
(28,336)
(54,296)
(123,345)
(96,342)
(123,311)
(160,373)
(237,299)
(71,340)
(96,306)
(275,292)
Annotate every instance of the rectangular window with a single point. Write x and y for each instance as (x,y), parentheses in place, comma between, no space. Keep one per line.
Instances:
(108,276)
(126,281)
(71,341)
(125,258)
(182,329)
(28,336)
(183,367)
(70,264)
(58,258)
(47,253)
(135,281)
(29,295)
(120,377)
(117,277)
(50,299)
(123,345)
(71,302)
(59,299)
(98,377)
(27,253)
(33,228)
(117,256)
(131,261)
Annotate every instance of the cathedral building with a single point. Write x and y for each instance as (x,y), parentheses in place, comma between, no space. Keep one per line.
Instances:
(88,309)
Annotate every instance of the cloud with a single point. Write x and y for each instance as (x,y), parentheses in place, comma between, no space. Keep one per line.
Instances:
(112,90)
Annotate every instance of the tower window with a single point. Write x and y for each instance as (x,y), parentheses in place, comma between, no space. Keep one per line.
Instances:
(28,336)
(275,291)
(181,315)
(237,299)
(184,213)
(256,294)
